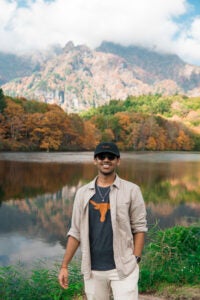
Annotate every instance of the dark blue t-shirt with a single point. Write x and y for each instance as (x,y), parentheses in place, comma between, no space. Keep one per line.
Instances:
(101,234)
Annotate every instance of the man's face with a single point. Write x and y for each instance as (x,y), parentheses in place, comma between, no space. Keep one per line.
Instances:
(106,163)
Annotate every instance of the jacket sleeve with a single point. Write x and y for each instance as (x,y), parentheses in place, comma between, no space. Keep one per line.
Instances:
(76,218)
(138,212)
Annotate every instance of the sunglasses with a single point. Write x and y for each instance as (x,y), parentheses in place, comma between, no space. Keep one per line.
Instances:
(109,156)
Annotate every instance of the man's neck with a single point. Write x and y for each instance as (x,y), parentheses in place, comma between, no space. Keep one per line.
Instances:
(105,180)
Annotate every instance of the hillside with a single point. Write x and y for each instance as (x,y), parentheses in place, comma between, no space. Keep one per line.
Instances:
(151,122)
(77,77)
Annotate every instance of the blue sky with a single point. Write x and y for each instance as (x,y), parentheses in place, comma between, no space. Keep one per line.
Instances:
(169,26)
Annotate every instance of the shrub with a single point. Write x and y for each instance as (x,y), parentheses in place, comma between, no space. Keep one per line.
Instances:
(41,283)
(171,258)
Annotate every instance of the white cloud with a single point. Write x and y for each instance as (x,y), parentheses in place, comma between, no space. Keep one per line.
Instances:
(20,248)
(188,44)
(149,23)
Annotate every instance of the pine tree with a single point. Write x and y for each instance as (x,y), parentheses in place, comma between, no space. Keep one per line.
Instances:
(2,101)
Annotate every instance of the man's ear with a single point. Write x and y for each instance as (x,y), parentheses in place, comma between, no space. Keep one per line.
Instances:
(95,161)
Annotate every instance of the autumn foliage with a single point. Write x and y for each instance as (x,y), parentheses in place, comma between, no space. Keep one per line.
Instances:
(27,128)
(134,124)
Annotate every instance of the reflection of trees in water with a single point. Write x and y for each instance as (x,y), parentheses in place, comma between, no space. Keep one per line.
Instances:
(168,215)
(2,194)
(43,194)
(20,179)
(146,173)
(40,197)
(171,190)
(175,182)
(48,218)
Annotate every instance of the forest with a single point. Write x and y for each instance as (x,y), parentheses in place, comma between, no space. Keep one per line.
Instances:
(148,122)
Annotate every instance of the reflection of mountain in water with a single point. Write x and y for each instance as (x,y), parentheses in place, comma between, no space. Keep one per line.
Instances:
(19,180)
(47,216)
(39,197)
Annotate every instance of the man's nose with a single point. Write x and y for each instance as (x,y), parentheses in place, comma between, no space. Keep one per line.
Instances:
(106,158)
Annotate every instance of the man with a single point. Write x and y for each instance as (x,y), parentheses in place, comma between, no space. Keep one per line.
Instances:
(109,223)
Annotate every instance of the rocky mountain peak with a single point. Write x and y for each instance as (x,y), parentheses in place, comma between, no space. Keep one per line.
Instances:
(68,47)
(77,77)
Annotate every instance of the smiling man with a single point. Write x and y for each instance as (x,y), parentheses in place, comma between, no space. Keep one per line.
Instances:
(109,223)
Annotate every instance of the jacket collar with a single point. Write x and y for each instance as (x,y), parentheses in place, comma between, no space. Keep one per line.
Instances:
(91,188)
(116,182)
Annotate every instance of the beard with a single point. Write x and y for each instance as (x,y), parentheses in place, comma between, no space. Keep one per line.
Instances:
(107,173)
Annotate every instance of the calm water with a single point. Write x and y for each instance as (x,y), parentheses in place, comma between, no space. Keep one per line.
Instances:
(37,191)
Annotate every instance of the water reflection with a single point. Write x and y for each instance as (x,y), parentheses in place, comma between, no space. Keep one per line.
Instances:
(22,179)
(36,198)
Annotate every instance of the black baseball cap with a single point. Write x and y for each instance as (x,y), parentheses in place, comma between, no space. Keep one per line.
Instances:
(108,147)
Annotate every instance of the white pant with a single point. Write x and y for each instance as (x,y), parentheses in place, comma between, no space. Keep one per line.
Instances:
(103,284)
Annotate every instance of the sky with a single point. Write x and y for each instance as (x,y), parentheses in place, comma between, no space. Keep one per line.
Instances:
(169,26)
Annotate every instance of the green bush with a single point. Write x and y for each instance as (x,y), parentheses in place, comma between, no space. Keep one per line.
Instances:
(40,284)
(172,257)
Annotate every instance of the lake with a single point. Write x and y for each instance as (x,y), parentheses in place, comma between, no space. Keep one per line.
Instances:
(37,192)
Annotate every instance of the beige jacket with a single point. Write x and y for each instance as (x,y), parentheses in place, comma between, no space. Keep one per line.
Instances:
(128,216)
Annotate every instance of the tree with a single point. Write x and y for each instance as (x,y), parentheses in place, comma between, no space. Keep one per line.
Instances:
(151,143)
(107,135)
(2,101)
(3,127)
(91,136)
(51,139)
(50,131)
(78,130)
(14,114)
(183,141)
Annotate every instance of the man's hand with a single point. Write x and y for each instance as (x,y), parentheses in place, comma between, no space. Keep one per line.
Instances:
(72,245)
(63,278)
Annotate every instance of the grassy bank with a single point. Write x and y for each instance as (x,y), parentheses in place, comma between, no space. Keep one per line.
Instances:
(170,266)
(40,283)
(171,257)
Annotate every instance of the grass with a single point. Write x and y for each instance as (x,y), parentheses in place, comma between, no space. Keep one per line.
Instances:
(171,258)
(170,266)
(18,283)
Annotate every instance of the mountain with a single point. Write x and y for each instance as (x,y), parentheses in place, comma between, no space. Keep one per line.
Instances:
(159,66)
(77,77)
(12,66)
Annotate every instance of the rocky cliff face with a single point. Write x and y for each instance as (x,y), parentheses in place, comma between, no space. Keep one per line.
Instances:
(77,78)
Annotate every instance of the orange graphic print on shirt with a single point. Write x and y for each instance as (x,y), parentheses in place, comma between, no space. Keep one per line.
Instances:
(102,207)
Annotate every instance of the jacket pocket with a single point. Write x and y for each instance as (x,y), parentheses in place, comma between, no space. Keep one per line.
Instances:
(126,245)
(128,258)
(122,214)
